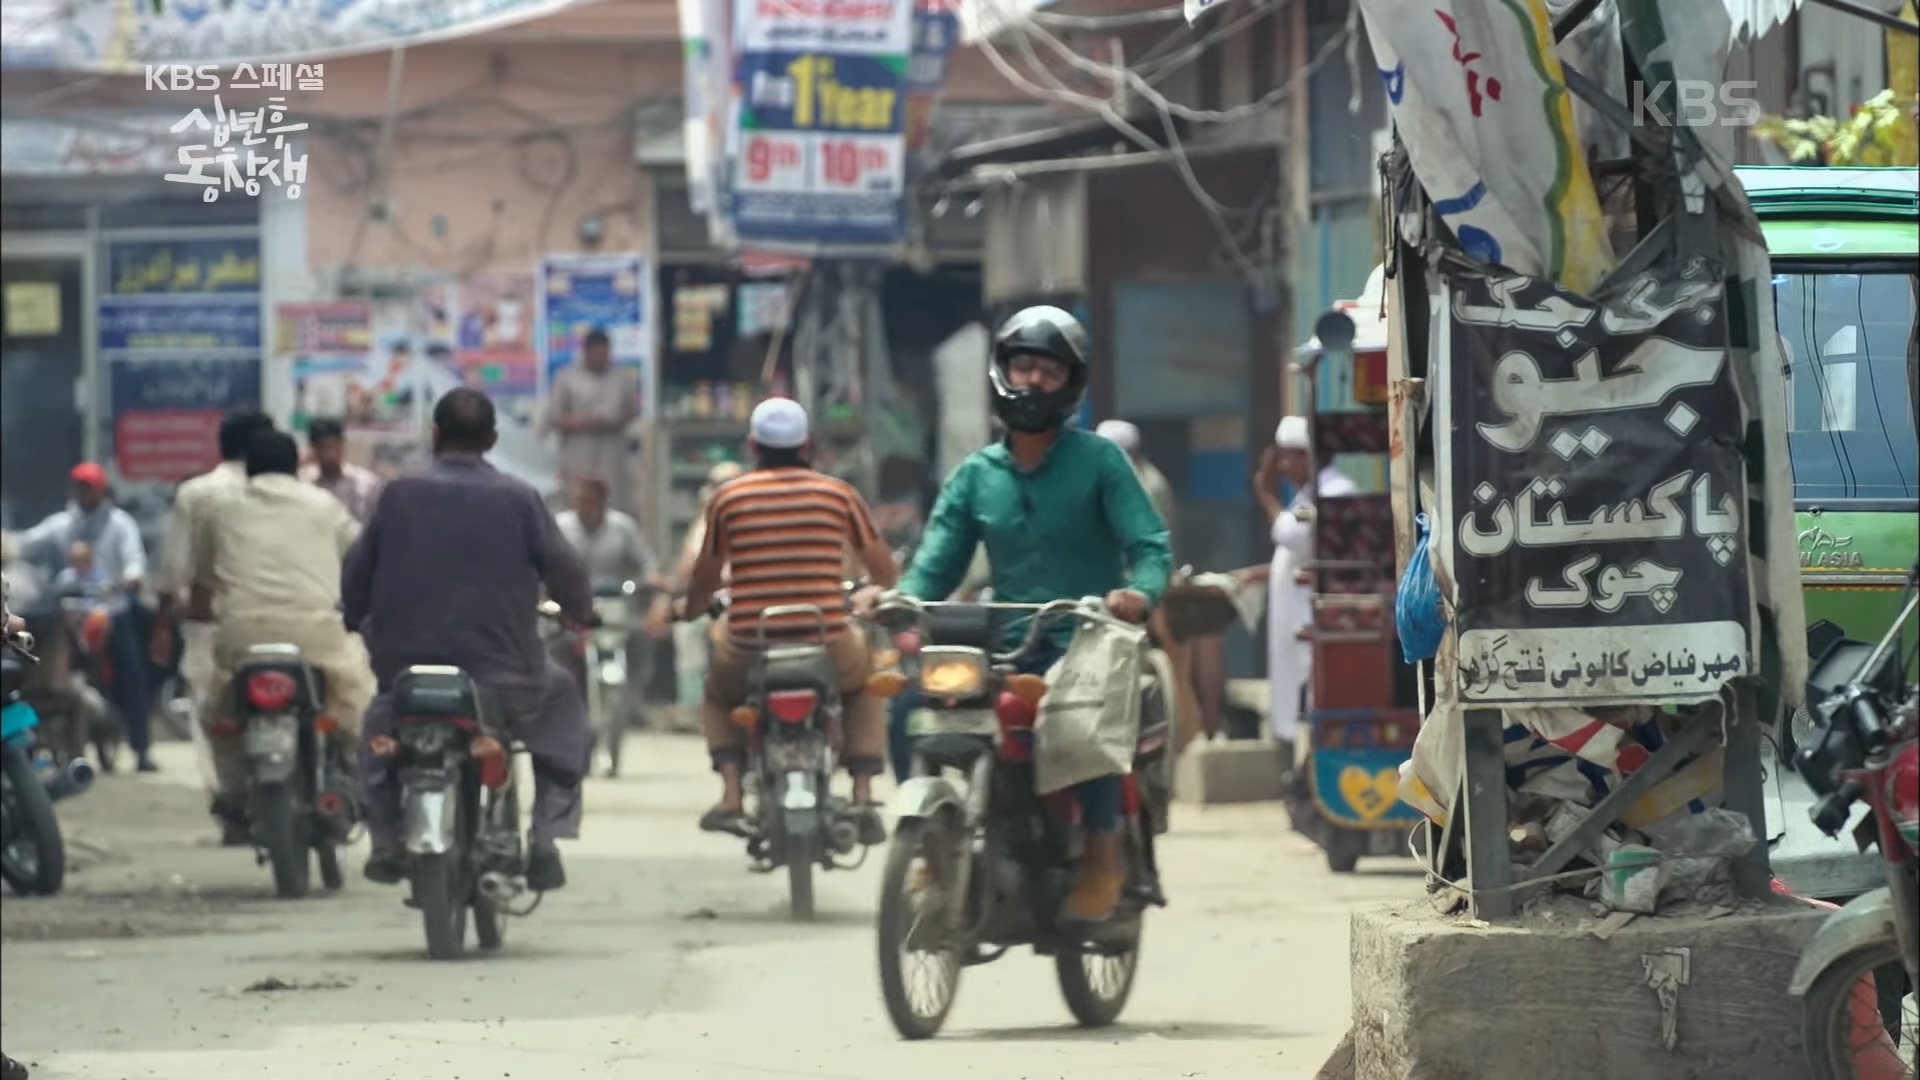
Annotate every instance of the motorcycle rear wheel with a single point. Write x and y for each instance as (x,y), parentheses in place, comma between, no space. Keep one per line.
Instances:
(1835,1043)
(439,894)
(282,830)
(898,917)
(41,867)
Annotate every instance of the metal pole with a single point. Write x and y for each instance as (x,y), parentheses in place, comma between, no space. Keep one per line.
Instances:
(1878,18)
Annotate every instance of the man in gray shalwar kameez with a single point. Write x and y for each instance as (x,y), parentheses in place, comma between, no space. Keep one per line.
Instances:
(449,570)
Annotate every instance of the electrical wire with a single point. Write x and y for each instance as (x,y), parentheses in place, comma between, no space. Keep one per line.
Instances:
(1174,150)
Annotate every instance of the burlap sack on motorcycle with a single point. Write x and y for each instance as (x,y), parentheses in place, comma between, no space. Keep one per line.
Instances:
(1089,721)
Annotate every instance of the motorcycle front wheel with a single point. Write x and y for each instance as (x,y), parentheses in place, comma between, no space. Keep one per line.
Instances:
(1849,1033)
(1097,985)
(913,865)
(34,861)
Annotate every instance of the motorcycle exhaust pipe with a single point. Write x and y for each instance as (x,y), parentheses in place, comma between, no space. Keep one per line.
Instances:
(72,780)
(498,888)
(843,837)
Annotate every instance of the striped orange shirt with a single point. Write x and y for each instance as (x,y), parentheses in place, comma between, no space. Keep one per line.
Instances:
(786,535)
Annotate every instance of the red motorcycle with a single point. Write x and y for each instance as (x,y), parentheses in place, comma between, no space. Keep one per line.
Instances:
(1858,974)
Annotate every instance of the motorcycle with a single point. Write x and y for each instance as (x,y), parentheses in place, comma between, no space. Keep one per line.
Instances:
(793,719)
(460,807)
(32,851)
(980,866)
(301,795)
(1864,747)
(604,665)
(97,719)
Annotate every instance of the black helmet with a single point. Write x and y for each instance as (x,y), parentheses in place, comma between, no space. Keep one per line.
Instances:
(1047,331)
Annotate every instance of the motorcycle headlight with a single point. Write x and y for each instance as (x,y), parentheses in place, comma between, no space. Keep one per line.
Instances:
(950,672)
(1804,727)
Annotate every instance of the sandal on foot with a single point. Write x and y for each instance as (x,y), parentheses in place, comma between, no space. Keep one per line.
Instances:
(720,820)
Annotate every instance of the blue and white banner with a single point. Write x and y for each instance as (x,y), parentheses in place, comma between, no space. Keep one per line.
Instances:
(819,154)
(131,36)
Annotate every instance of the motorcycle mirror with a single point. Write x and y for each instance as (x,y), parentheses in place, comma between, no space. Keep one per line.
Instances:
(1335,330)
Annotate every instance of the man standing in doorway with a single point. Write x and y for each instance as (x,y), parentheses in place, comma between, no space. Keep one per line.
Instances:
(591,404)
(356,488)
(1289,601)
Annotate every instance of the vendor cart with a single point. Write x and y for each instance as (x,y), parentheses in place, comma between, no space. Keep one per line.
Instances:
(1363,705)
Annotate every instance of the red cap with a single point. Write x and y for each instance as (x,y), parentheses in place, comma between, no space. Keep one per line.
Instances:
(89,474)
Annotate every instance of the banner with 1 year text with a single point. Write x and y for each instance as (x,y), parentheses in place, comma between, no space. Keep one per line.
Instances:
(1593,498)
(819,161)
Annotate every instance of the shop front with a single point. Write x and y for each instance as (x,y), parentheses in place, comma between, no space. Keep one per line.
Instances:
(133,320)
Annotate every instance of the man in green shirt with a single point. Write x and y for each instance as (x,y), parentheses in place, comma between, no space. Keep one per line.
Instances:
(1062,515)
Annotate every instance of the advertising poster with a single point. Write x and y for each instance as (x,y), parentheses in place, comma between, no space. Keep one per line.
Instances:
(820,139)
(481,333)
(329,349)
(180,339)
(166,413)
(612,293)
(1593,499)
(494,348)
(936,29)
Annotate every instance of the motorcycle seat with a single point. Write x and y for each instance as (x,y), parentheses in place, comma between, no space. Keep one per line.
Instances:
(796,667)
(433,690)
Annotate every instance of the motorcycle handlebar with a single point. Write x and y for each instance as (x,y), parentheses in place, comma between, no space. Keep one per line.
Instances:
(1040,616)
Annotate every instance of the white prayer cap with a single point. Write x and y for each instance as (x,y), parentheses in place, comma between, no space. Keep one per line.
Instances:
(778,424)
(1292,434)
(1120,433)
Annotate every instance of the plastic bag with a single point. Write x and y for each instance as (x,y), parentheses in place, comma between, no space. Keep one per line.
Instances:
(1417,613)
(1089,723)
(1697,847)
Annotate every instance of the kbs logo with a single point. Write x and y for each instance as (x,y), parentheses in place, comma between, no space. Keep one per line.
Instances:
(183,77)
(1698,103)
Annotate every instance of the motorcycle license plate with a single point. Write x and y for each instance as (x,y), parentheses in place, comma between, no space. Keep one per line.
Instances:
(271,736)
(952,722)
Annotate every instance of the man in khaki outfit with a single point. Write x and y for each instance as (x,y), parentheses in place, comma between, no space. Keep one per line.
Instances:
(194,504)
(269,563)
(590,405)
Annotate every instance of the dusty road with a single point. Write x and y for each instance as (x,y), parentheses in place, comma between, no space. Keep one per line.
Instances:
(168,959)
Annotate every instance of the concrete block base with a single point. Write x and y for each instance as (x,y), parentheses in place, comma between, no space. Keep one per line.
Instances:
(1228,771)
(1436,998)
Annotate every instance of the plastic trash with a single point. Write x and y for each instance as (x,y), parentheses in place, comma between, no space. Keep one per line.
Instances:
(1417,613)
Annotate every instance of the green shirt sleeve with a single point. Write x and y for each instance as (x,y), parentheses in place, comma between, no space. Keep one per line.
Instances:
(1133,519)
(946,547)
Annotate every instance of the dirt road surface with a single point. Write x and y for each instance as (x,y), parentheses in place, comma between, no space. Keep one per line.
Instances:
(167,958)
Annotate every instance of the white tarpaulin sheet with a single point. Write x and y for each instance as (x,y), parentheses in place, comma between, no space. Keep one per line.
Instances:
(127,35)
(1481,104)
